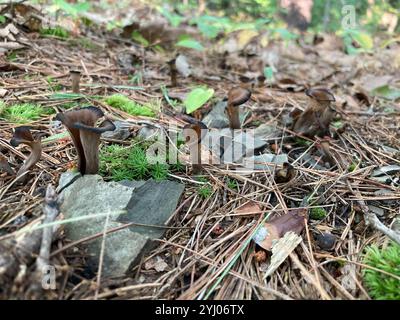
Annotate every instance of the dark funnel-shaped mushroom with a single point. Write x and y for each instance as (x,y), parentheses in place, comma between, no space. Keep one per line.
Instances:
(23,135)
(82,126)
(194,132)
(316,118)
(236,97)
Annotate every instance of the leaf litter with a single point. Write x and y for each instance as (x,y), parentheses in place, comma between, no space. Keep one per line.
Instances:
(209,252)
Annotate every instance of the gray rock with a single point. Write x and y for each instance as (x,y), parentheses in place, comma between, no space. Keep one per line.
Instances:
(121,131)
(261,162)
(232,146)
(143,202)
(148,132)
(218,119)
(152,204)
(326,241)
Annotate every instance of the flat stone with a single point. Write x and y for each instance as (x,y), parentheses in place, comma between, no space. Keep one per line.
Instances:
(152,204)
(147,132)
(218,119)
(144,202)
(233,145)
(121,131)
(260,162)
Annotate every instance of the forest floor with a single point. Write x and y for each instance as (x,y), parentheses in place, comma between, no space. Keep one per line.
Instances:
(207,252)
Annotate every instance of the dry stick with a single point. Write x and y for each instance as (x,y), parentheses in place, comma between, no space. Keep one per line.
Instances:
(101,257)
(51,211)
(371,219)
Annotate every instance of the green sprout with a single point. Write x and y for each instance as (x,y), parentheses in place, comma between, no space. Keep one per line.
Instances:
(382,286)
(232,184)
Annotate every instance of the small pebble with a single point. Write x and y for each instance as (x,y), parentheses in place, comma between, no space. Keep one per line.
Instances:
(326,241)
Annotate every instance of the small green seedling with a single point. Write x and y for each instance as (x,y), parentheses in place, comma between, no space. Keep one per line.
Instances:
(382,286)
(232,184)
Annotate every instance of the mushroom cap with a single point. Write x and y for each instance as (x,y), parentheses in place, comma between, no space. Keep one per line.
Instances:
(21,135)
(75,72)
(238,96)
(85,118)
(320,94)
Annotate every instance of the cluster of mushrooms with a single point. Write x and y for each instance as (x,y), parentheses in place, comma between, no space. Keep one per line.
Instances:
(86,125)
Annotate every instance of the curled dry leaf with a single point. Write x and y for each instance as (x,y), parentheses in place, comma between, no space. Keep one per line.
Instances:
(23,135)
(277,227)
(285,174)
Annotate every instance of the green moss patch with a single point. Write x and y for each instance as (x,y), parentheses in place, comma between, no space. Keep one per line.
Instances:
(130,163)
(23,113)
(127,105)
(382,286)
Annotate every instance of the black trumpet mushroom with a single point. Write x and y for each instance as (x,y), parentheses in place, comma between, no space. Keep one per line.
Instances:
(23,135)
(85,130)
(236,97)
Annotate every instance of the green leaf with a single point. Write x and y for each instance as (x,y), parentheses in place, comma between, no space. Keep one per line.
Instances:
(196,98)
(285,34)
(174,19)
(72,9)
(208,30)
(136,36)
(191,44)
(363,39)
(2,19)
(269,73)
(387,92)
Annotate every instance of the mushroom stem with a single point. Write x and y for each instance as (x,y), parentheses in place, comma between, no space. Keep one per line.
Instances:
(90,143)
(173,72)
(194,138)
(75,77)
(233,116)
(236,97)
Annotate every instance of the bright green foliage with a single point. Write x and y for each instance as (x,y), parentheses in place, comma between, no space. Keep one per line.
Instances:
(352,167)
(232,184)
(197,98)
(73,9)
(191,44)
(23,113)
(120,163)
(55,32)
(382,286)
(127,105)
(174,19)
(317,213)
(205,191)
